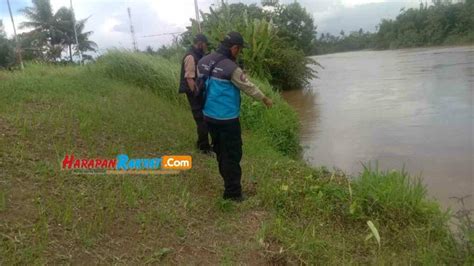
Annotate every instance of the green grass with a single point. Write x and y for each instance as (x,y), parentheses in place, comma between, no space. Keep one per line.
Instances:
(294,214)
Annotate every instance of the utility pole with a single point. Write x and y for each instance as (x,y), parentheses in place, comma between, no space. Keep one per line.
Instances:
(17,43)
(132,30)
(196,9)
(75,32)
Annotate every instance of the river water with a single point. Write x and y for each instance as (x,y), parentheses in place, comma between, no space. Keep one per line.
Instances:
(409,108)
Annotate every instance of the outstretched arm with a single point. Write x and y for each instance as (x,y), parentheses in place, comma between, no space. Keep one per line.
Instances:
(239,78)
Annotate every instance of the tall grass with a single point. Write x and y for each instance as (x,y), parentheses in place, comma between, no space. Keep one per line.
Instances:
(155,73)
(391,195)
(277,126)
(321,215)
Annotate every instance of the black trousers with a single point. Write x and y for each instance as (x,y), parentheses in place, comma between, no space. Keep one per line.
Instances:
(196,103)
(227,144)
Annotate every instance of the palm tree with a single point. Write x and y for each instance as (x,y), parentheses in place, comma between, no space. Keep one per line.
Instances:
(40,20)
(83,39)
(52,33)
(65,24)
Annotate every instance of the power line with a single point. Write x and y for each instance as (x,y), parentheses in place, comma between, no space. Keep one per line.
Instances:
(162,34)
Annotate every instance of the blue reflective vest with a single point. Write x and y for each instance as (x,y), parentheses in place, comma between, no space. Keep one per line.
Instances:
(222,97)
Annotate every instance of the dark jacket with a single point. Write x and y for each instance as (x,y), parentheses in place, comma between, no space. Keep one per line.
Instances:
(197,55)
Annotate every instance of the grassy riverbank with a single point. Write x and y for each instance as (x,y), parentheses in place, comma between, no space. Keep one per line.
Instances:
(127,103)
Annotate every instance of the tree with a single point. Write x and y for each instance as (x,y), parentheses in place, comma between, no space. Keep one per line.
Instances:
(149,50)
(438,24)
(270,55)
(7,52)
(40,20)
(296,25)
(64,19)
(270,2)
(52,33)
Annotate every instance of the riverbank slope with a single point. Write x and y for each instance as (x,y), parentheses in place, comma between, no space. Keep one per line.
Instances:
(127,103)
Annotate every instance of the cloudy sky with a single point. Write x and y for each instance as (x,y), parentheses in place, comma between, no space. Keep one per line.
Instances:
(109,21)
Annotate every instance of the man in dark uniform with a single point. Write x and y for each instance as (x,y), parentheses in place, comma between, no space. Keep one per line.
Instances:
(222,109)
(188,85)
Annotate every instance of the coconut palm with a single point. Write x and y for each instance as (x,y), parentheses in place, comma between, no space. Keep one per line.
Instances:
(41,21)
(65,24)
(83,39)
(52,33)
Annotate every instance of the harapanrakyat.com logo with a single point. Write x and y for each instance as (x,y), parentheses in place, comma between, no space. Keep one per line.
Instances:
(123,164)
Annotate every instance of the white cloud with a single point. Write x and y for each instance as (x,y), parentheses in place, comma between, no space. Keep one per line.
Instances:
(176,12)
(8,26)
(108,19)
(353,3)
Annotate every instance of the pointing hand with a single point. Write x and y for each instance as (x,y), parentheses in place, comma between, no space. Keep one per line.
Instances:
(268,102)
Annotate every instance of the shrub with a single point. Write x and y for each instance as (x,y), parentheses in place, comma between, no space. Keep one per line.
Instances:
(7,53)
(292,70)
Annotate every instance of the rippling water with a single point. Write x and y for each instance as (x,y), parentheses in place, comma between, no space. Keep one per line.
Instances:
(408,108)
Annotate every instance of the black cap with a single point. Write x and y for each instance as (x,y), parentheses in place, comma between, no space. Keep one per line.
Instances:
(234,38)
(200,38)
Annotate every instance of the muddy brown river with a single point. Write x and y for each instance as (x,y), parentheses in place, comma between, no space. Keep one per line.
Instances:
(408,108)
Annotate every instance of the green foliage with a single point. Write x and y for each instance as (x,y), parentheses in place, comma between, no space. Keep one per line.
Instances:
(279,125)
(272,51)
(292,70)
(356,40)
(174,53)
(296,26)
(442,23)
(322,214)
(151,72)
(438,24)
(7,49)
(397,195)
(260,35)
(52,33)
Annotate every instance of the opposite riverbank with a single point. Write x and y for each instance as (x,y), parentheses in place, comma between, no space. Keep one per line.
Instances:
(127,103)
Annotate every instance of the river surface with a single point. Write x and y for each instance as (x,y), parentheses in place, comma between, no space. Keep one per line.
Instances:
(409,108)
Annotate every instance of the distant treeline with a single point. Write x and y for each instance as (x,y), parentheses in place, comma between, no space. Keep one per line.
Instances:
(442,23)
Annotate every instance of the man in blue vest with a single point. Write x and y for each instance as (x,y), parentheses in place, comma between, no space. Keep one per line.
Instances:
(187,85)
(222,109)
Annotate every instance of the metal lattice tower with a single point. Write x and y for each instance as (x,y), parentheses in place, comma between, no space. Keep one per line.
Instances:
(132,30)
